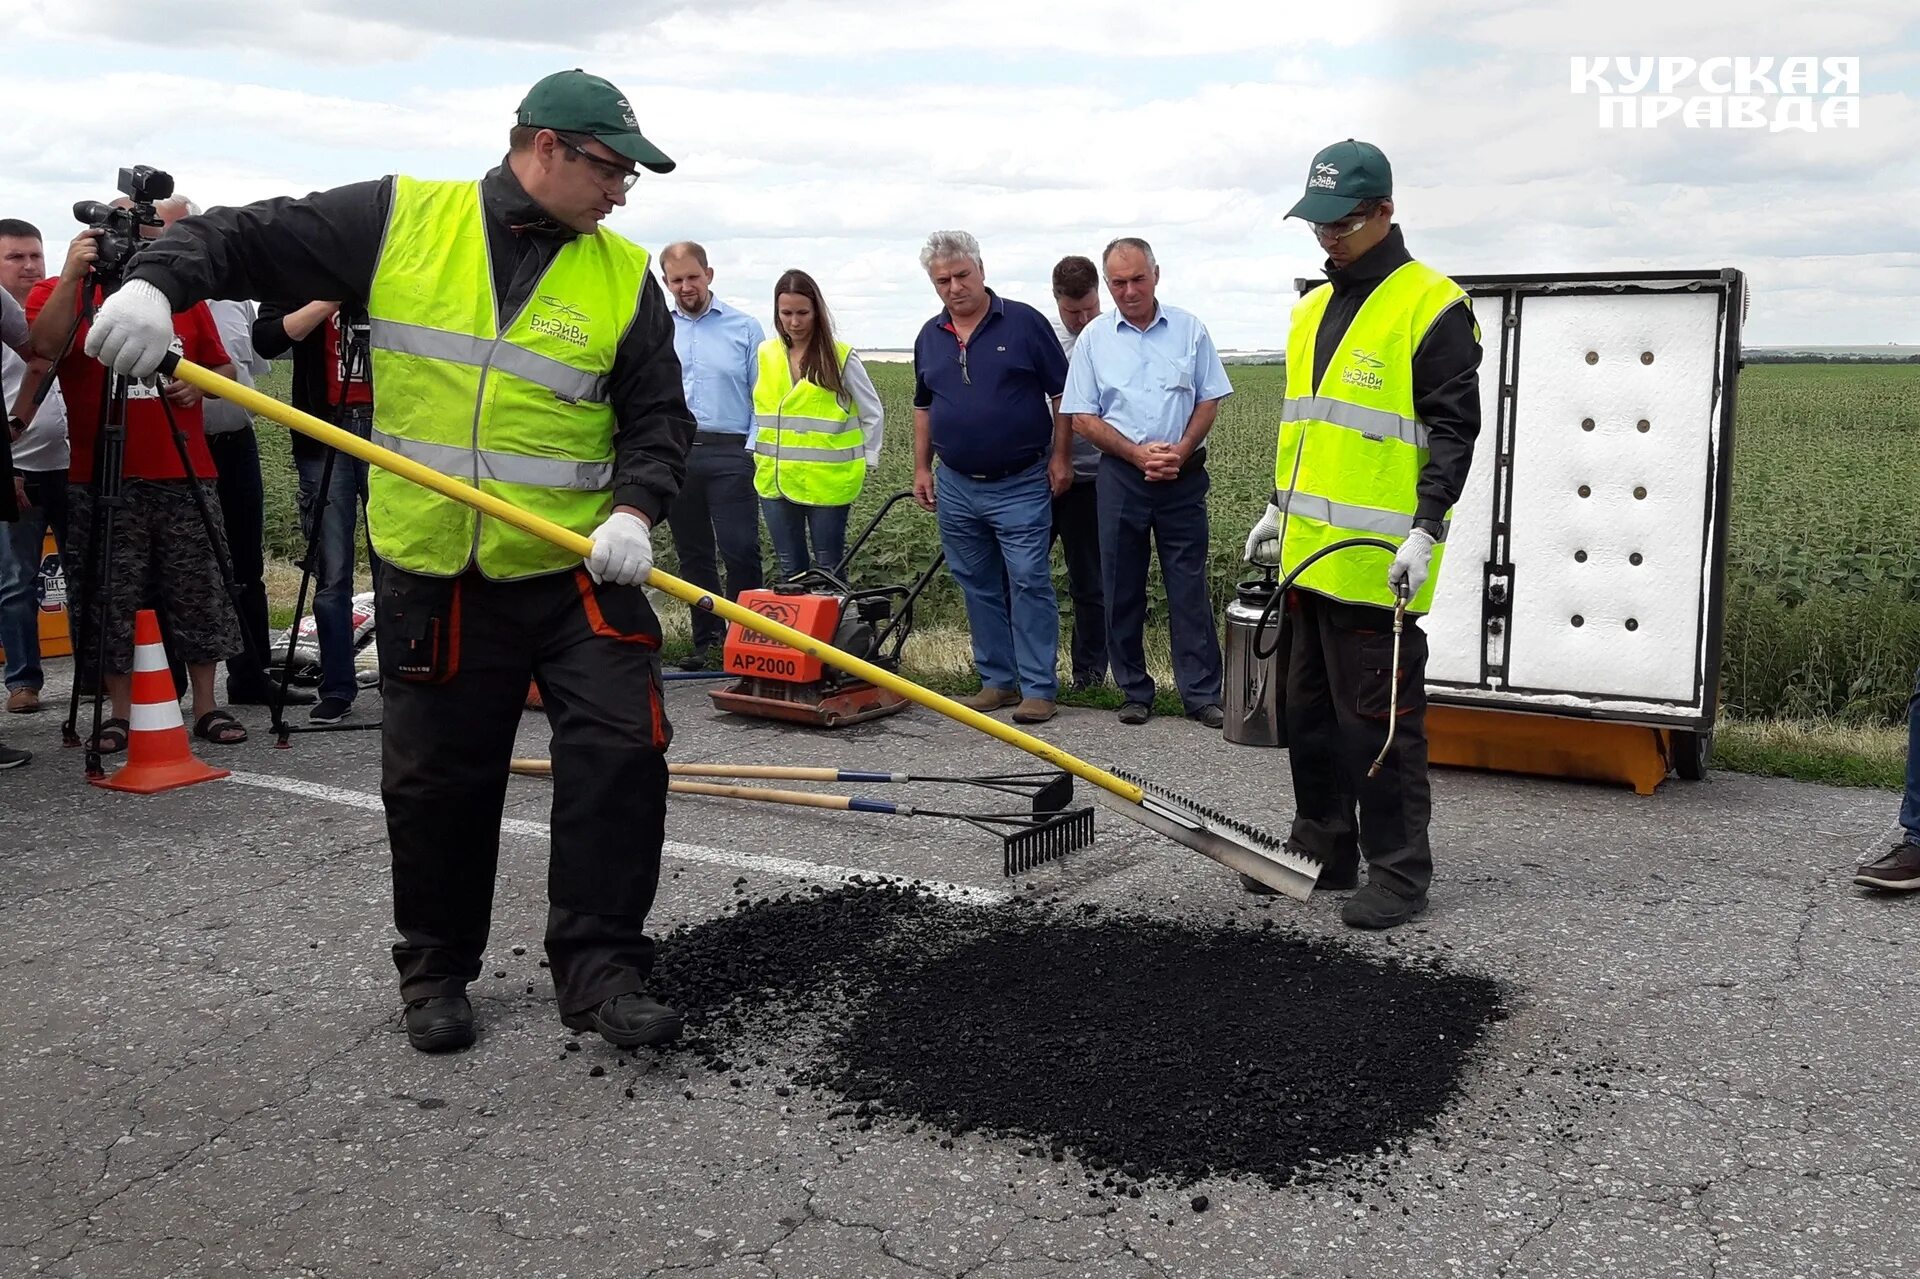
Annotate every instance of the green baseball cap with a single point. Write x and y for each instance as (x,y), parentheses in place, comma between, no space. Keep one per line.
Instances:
(575,102)
(1343,175)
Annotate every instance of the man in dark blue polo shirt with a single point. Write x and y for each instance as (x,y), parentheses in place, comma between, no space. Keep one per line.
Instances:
(987,373)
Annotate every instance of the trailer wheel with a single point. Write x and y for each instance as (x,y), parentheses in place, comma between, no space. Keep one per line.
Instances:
(1691,751)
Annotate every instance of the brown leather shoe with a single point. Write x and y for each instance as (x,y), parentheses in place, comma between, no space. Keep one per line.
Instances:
(23,701)
(1034,710)
(991,699)
(1897,871)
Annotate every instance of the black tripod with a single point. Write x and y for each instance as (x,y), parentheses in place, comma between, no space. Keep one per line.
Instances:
(109,463)
(354,365)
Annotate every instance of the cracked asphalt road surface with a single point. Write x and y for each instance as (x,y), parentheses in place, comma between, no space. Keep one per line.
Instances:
(1706,1071)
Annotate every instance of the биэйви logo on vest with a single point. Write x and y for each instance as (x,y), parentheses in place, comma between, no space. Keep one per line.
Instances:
(568,323)
(1354,375)
(1323,176)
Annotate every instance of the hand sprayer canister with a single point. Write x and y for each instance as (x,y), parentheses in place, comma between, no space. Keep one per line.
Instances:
(1256,690)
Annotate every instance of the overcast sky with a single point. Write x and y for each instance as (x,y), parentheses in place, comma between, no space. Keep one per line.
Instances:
(832,135)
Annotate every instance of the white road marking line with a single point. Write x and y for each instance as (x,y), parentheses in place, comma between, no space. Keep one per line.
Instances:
(787,866)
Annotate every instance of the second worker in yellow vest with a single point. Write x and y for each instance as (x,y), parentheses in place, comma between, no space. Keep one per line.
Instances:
(817,425)
(1376,437)
(525,349)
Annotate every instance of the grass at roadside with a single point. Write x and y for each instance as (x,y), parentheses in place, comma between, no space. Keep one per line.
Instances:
(1814,751)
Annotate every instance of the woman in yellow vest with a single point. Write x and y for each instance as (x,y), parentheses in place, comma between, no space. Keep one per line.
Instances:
(817,423)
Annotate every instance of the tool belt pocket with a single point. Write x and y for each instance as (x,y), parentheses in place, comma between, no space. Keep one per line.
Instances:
(418,627)
(1372,698)
(620,613)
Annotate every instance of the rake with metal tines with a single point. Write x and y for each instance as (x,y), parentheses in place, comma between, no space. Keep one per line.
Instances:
(1228,842)
(1050,831)
(1235,844)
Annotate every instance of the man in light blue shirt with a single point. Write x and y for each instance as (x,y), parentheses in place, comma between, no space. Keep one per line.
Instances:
(718,348)
(1145,384)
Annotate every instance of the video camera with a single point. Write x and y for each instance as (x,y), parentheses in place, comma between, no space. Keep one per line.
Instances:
(120,236)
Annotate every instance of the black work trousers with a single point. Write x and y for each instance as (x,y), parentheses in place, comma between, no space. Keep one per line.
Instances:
(1339,674)
(1138,516)
(455,657)
(236,455)
(717,504)
(1076,526)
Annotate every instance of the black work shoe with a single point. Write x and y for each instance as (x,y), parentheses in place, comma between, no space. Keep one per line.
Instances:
(1376,907)
(1210,715)
(1897,871)
(700,659)
(331,710)
(1135,713)
(629,1021)
(440,1023)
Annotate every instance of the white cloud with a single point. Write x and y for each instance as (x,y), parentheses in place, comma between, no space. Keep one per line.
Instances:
(833,134)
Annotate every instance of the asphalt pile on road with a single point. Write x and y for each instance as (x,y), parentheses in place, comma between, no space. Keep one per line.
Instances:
(1149,1050)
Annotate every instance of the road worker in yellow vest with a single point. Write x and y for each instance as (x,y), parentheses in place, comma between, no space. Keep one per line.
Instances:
(817,427)
(1376,436)
(526,349)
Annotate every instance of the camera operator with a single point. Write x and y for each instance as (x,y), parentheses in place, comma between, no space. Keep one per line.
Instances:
(38,478)
(162,556)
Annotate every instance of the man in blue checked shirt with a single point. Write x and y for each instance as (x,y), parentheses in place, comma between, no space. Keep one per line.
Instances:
(718,347)
(1145,384)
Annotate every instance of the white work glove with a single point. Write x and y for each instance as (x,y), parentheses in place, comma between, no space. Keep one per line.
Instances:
(1408,572)
(1263,544)
(132,330)
(622,550)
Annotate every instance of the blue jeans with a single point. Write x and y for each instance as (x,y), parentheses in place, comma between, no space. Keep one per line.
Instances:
(997,535)
(1910,802)
(333,553)
(788,527)
(20,550)
(1137,516)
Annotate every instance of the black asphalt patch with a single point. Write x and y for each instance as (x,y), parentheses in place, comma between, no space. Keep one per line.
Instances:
(1147,1049)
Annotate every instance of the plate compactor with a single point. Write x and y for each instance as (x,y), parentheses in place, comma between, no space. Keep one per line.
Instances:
(778,682)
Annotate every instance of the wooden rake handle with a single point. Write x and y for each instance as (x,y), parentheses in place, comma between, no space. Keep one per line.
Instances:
(759,795)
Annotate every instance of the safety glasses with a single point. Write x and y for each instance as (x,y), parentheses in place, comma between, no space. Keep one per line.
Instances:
(607,171)
(1333,232)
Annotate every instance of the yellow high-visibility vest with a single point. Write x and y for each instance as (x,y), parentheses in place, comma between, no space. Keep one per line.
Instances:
(1351,449)
(807,444)
(518,409)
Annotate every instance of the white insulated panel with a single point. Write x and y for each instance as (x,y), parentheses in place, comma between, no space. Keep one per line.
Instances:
(1455,625)
(1587,618)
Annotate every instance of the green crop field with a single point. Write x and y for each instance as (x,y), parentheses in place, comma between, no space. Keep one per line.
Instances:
(1823,591)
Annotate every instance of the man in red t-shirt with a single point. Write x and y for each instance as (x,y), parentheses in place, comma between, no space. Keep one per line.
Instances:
(163,557)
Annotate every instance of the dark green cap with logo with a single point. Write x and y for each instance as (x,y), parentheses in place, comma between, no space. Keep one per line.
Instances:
(575,102)
(1342,175)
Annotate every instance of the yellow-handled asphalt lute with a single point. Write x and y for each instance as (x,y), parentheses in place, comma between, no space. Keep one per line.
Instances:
(1234,844)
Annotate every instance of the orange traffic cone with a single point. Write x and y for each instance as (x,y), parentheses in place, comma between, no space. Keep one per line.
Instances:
(534,701)
(158,756)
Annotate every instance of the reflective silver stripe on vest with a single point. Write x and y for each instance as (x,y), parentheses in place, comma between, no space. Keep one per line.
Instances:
(791,422)
(1375,422)
(563,380)
(1367,519)
(507,468)
(790,453)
